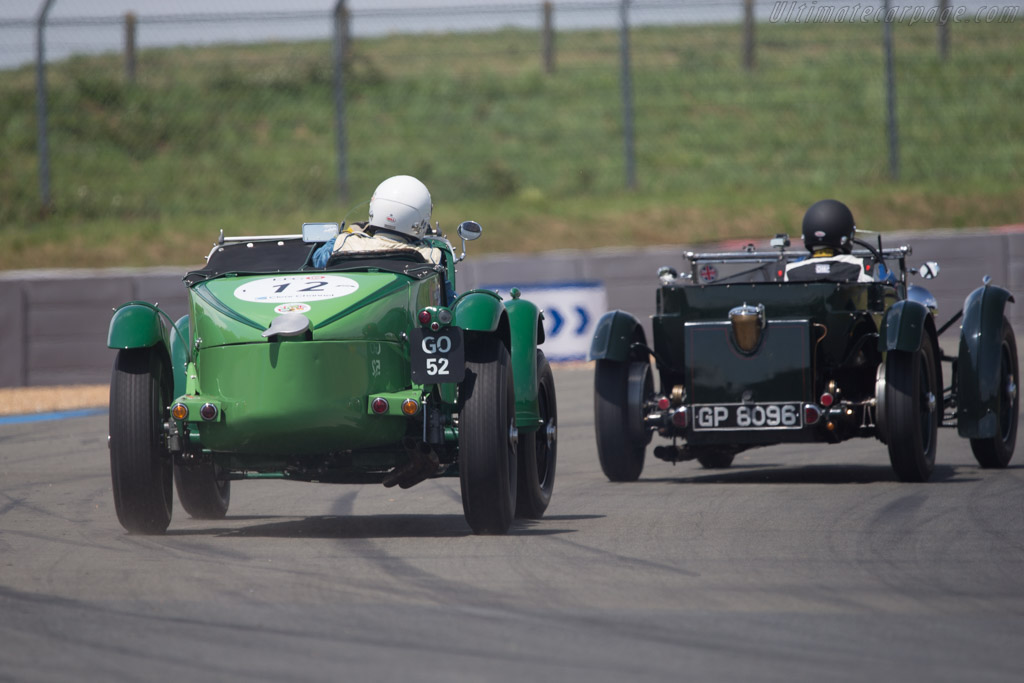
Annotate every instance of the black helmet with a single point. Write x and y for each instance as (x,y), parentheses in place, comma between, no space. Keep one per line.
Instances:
(829,223)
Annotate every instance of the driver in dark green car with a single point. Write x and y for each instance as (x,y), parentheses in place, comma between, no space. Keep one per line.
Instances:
(828,230)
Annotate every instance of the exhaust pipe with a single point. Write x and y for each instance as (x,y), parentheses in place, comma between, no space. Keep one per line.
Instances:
(423,463)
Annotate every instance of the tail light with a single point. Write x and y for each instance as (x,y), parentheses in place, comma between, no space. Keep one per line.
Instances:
(680,418)
(811,413)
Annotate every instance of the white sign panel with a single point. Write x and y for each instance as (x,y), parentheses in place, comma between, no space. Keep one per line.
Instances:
(571,311)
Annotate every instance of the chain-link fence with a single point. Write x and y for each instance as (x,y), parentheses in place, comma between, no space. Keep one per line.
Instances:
(155,116)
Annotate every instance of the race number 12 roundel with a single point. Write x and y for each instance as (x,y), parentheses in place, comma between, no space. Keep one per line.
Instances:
(295,288)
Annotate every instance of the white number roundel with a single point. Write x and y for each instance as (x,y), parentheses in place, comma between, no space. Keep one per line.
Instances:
(296,288)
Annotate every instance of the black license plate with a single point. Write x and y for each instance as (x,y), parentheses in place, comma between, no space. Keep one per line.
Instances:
(437,357)
(745,416)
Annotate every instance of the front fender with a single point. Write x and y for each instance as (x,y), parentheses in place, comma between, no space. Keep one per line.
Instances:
(180,354)
(904,326)
(526,331)
(978,362)
(614,336)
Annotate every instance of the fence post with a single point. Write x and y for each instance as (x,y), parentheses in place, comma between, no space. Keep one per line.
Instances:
(43,142)
(627,96)
(890,94)
(129,47)
(548,39)
(748,35)
(942,25)
(340,51)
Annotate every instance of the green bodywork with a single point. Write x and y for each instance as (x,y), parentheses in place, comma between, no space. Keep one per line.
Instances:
(293,404)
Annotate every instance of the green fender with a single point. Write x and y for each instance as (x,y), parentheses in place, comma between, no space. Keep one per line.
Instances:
(141,325)
(136,325)
(977,364)
(180,354)
(479,310)
(903,327)
(526,332)
(616,332)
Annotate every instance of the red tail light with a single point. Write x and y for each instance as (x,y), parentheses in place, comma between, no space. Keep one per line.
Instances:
(379,405)
(811,413)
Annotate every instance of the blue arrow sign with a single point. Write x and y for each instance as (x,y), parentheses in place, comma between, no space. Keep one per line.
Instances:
(584,319)
(556,320)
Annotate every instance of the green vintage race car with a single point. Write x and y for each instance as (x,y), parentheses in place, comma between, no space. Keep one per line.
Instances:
(746,358)
(369,370)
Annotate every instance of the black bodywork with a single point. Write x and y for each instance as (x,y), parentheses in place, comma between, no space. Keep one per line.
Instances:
(744,358)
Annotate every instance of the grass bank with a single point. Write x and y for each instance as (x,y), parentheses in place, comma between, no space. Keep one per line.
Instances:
(241,138)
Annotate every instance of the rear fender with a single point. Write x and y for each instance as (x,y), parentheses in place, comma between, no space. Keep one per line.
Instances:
(141,325)
(527,331)
(479,310)
(136,325)
(904,326)
(978,362)
(614,337)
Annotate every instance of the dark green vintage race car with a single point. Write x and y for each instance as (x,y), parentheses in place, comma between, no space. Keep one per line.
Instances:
(367,371)
(745,357)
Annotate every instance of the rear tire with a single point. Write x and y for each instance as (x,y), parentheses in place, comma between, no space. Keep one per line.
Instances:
(619,391)
(488,465)
(538,450)
(997,451)
(913,408)
(202,495)
(140,465)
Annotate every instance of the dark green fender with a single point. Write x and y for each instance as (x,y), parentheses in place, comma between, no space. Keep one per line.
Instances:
(904,326)
(141,325)
(527,331)
(614,336)
(978,362)
(518,324)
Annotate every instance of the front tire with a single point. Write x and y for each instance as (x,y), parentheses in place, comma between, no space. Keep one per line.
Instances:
(140,465)
(538,450)
(619,392)
(202,494)
(487,438)
(997,451)
(913,407)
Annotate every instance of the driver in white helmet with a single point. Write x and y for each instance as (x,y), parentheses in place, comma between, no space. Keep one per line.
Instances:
(399,216)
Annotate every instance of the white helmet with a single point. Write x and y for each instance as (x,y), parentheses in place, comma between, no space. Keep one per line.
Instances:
(401,203)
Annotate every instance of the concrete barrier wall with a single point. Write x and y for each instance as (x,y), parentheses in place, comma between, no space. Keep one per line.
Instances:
(55,322)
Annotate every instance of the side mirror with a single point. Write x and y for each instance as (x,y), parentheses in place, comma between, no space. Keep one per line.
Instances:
(468,231)
(319,232)
(780,241)
(929,270)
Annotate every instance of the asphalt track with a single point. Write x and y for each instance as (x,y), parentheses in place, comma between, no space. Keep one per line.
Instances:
(797,564)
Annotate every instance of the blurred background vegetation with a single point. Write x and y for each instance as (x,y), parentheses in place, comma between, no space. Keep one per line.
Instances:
(242,138)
